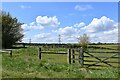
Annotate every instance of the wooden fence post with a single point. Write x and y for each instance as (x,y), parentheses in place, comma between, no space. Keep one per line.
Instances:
(69,56)
(39,53)
(73,56)
(24,45)
(10,53)
(81,57)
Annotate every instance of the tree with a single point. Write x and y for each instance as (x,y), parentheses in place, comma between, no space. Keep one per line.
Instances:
(0,32)
(11,30)
(84,40)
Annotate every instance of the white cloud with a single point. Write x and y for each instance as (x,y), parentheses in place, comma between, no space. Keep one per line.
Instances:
(48,21)
(106,36)
(68,34)
(32,26)
(67,31)
(83,7)
(102,24)
(23,7)
(102,30)
(45,38)
(81,24)
(41,23)
(42,36)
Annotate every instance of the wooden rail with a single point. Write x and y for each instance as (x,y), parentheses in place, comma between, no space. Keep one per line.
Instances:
(7,50)
(102,59)
(48,52)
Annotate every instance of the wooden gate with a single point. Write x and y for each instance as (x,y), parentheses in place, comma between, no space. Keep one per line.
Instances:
(106,59)
(93,58)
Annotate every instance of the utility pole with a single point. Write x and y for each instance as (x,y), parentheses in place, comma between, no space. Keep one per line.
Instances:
(59,38)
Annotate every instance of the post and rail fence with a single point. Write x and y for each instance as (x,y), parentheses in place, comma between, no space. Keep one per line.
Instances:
(80,55)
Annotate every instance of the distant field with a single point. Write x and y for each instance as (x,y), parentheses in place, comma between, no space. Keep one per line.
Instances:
(25,64)
(112,46)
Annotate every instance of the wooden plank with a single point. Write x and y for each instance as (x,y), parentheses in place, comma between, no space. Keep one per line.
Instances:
(96,65)
(73,56)
(69,56)
(7,50)
(99,61)
(100,57)
(53,52)
(102,52)
(75,59)
(102,65)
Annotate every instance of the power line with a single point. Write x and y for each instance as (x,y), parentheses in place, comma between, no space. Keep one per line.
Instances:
(29,41)
(59,38)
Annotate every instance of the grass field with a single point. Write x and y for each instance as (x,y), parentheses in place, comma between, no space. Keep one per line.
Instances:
(25,64)
(0,65)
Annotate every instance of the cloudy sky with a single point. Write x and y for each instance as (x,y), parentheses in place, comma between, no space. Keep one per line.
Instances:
(43,22)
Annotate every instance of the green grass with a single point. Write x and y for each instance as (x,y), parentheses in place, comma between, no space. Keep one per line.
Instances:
(112,46)
(25,64)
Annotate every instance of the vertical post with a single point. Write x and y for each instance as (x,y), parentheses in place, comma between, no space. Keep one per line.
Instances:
(24,45)
(81,57)
(10,53)
(73,56)
(69,56)
(39,53)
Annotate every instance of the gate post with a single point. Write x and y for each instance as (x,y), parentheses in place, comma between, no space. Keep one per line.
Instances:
(10,53)
(39,53)
(73,55)
(81,57)
(69,56)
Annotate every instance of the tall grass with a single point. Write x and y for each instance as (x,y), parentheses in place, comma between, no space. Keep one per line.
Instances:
(25,64)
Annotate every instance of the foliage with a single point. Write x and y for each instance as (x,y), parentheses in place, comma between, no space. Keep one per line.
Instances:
(84,40)
(11,30)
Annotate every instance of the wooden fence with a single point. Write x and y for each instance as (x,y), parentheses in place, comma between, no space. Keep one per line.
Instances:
(82,55)
(7,50)
(48,52)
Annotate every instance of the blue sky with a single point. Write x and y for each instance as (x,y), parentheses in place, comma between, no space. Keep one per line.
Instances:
(43,22)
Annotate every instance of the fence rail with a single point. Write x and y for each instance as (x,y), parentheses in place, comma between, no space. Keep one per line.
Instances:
(48,52)
(7,50)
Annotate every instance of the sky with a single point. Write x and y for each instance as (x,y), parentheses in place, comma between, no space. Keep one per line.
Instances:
(45,21)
